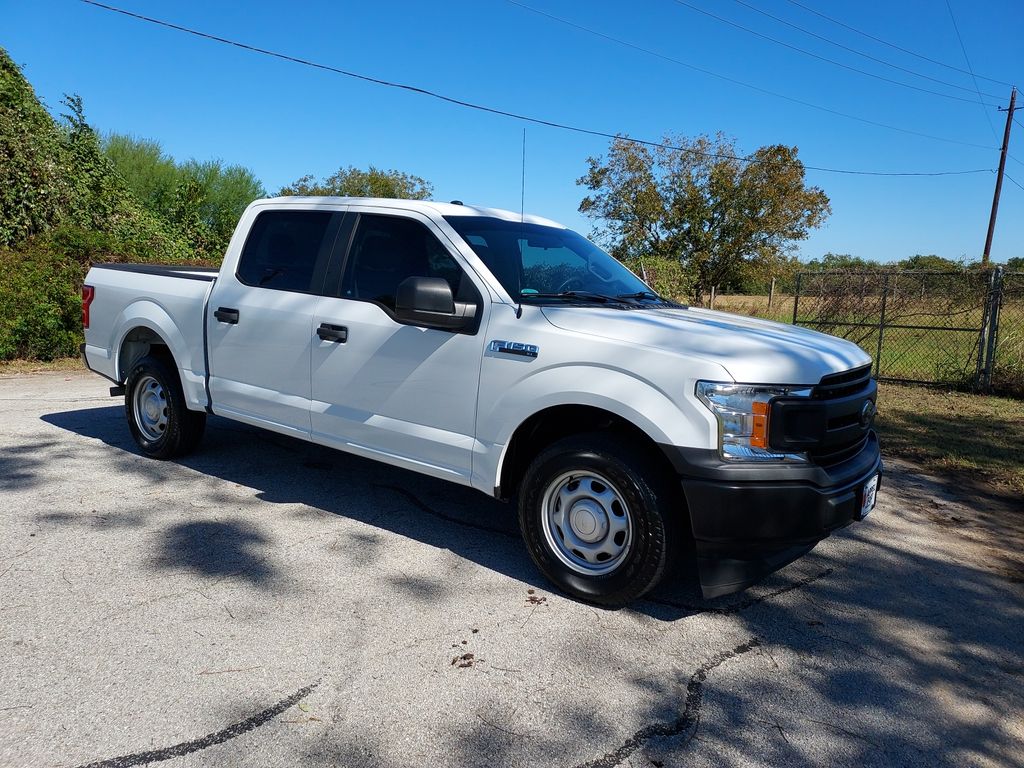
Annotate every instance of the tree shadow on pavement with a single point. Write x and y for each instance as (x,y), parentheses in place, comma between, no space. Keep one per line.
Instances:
(216,549)
(286,471)
(19,464)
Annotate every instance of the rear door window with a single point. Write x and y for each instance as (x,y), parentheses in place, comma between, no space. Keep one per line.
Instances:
(287,251)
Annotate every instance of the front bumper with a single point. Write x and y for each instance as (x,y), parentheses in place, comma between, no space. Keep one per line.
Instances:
(751,520)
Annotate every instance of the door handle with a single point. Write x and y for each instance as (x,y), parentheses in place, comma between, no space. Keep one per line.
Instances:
(226,315)
(335,333)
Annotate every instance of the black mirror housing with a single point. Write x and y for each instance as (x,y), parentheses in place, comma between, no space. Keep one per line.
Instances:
(428,302)
(425,294)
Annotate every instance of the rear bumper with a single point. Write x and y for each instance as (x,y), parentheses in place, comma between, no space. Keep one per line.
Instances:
(749,521)
(98,361)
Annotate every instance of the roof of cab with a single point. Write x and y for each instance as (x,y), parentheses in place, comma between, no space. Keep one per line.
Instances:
(422,206)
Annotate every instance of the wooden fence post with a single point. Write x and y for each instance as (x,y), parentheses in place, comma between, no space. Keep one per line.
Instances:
(796,295)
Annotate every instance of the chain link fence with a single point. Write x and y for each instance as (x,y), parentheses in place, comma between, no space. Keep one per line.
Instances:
(963,328)
(1007,370)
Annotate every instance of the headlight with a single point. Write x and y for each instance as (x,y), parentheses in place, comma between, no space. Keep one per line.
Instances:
(742,414)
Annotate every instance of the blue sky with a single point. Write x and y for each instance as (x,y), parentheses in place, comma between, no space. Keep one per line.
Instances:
(206,100)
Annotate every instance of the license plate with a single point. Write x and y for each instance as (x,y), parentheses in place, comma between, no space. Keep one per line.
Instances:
(868,497)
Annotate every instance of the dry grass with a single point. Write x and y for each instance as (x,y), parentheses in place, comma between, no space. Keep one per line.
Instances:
(21,367)
(967,436)
(757,306)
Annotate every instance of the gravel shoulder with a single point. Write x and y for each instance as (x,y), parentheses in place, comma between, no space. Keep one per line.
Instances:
(268,602)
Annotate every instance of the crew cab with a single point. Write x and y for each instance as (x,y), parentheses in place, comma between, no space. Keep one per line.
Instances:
(507,353)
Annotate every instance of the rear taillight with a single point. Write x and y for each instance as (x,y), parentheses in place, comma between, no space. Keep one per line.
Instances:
(88,293)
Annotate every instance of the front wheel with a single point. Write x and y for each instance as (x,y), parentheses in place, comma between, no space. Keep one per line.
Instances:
(596,515)
(158,418)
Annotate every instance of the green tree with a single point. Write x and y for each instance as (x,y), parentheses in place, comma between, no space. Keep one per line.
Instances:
(353,182)
(930,262)
(757,277)
(694,201)
(226,190)
(200,200)
(841,261)
(150,174)
(1016,264)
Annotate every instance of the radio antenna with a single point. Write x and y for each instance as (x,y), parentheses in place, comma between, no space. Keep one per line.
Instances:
(522,216)
(522,192)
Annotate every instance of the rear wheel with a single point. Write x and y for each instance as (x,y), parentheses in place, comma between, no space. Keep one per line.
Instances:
(160,422)
(596,514)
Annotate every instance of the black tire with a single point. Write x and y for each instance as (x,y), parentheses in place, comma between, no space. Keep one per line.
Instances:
(602,467)
(163,427)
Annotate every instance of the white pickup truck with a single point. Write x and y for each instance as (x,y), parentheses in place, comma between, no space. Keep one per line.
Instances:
(510,354)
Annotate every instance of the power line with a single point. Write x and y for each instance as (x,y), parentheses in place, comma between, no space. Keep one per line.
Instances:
(830,41)
(971,70)
(500,112)
(820,57)
(742,83)
(1008,176)
(894,46)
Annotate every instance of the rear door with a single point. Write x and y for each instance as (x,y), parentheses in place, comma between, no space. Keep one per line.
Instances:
(259,321)
(401,393)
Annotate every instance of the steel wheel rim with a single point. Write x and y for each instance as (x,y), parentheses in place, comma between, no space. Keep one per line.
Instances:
(150,408)
(586,522)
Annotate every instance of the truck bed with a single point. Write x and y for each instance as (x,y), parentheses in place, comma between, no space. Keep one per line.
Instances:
(169,301)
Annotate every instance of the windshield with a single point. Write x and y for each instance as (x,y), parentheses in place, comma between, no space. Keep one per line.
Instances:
(537,263)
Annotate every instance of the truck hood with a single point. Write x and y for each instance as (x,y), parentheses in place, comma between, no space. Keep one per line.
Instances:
(752,350)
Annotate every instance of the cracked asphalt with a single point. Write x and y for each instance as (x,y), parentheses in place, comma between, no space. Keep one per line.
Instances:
(265,602)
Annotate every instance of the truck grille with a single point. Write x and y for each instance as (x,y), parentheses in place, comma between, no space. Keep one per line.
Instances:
(827,426)
(841,384)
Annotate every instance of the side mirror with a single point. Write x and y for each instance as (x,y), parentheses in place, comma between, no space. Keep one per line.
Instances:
(428,302)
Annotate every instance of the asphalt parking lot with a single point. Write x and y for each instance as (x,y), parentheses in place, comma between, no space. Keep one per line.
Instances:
(267,603)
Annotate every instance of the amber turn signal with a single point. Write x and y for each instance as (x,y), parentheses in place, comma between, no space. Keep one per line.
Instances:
(759,435)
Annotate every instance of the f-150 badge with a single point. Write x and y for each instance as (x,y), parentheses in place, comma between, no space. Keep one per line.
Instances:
(515,348)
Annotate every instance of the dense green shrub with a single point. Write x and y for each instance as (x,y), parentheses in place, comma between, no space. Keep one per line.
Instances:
(62,207)
(34,188)
(41,316)
(40,292)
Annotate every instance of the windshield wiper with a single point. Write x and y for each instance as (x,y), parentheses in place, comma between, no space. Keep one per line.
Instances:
(598,298)
(628,299)
(640,295)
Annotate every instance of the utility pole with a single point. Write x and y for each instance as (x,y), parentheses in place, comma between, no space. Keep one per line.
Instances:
(999,179)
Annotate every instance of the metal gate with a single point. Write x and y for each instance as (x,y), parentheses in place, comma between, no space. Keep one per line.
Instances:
(920,326)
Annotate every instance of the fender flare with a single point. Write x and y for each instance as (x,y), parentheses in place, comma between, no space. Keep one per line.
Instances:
(145,313)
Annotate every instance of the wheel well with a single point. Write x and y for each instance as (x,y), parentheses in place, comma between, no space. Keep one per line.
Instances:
(552,424)
(137,344)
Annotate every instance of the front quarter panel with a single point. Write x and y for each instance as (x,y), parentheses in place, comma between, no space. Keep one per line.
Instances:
(645,386)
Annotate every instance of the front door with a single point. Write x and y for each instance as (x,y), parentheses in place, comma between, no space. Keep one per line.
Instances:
(387,390)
